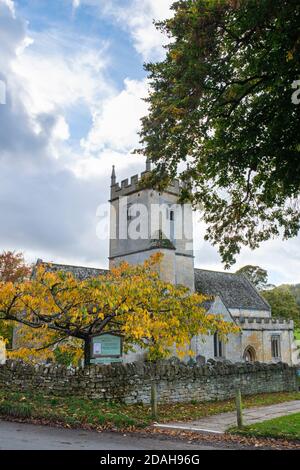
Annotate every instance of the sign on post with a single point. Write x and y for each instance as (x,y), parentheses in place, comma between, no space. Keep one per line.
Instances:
(106,348)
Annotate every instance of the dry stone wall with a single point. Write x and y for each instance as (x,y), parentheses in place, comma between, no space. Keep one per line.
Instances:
(131,383)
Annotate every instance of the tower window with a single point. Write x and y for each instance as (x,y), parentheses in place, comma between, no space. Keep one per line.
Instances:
(275,347)
(172,216)
(218,346)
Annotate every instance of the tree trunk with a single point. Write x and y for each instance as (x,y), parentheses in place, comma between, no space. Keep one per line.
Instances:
(87,352)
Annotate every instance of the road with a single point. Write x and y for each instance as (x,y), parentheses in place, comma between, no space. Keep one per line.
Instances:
(16,436)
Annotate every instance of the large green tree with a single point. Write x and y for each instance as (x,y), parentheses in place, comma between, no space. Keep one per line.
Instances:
(258,276)
(222,100)
(283,304)
(295,290)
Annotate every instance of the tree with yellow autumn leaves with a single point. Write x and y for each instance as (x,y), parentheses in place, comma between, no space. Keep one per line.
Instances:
(55,309)
(13,268)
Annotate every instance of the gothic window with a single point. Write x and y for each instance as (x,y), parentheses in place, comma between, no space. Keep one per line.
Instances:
(218,346)
(275,347)
(249,354)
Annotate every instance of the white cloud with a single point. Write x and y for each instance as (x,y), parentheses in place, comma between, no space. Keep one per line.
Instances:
(116,125)
(49,189)
(10,5)
(147,39)
(76,4)
(44,207)
(136,17)
(61,129)
(54,80)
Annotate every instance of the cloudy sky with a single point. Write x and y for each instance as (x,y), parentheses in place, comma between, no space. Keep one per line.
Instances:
(74,78)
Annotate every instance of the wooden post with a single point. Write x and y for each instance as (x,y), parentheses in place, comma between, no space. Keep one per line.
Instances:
(154,400)
(239,408)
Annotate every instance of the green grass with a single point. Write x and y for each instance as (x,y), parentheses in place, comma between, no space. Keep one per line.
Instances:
(297,335)
(192,411)
(286,427)
(76,412)
(16,410)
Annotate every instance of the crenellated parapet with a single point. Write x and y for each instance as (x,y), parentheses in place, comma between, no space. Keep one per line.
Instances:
(133,185)
(269,323)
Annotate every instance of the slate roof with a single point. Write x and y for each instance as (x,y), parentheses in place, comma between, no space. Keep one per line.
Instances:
(235,290)
(80,272)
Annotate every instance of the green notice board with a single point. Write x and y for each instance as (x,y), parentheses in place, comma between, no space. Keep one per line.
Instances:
(106,360)
(106,346)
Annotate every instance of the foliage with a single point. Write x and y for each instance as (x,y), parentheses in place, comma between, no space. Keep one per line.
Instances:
(256,275)
(130,301)
(13,268)
(222,100)
(6,333)
(295,290)
(67,355)
(283,304)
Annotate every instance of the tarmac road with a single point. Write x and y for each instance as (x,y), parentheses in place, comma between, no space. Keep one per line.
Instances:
(16,436)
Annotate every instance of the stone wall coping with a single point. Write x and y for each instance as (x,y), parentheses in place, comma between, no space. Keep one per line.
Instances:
(159,370)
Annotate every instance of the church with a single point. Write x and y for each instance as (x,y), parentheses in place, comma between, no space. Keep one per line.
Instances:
(144,221)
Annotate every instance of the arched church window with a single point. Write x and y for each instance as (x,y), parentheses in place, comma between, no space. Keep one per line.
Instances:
(249,354)
(218,346)
(275,346)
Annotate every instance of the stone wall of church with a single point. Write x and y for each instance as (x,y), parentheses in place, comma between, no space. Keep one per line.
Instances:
(131,383)
(185,273)
(260,340)
(258,333)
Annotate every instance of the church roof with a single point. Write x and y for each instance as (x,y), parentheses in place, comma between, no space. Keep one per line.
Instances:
(80,272)
(235,290)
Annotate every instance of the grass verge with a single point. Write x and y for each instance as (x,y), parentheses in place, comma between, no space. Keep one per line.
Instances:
(285,427)
(76,412)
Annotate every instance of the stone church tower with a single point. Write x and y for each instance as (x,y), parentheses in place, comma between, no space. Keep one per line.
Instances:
(145,221)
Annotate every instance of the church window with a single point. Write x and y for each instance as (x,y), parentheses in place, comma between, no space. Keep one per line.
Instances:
(249,354)
(275,346)
(172,216)
(218,346)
